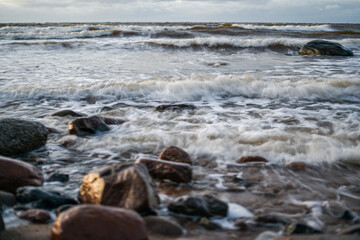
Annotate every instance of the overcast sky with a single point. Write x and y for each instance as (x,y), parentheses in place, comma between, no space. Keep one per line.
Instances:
(180,10)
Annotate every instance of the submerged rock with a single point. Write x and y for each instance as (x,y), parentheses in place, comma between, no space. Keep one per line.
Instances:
(175,154)
(207,206)
(159,169)
(247,159)
(35,215)
(122,185)
(67,112)
(15,174)
(19,136)
(321,47)
(43,198)
(160,226)
(174,107)
(94,222)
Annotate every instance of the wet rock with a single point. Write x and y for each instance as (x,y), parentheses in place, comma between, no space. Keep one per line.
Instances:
(67,112)
(42,198)
(296,166)
(321,47)
(7,199)
(63,208)
(206,206)
(113,121)
(86,126)
(175,154)
(2,225)
(15,174)
(160,226)
(174,107)
(35,215)
(94,222)
(67,141)
(299,228)
(123,185)
(247,159)
(58,177)
(20,136)
(159,169)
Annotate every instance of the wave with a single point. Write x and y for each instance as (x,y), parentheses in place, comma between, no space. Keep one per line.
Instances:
(286,27)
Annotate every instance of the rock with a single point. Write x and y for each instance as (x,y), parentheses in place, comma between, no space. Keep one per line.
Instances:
(86,126)
(123,185)
(35,215)
(247,159)
(2,225)
(67,112)
(27,232)
(67,141)
(160,226)
(113,121)
(20,136)
(296,166)
(94,222)
(7,199)
(175,154)
(206,206)
(58,177)
(174,107)
(15,174)
(159,169)
(321,47)
(42,198)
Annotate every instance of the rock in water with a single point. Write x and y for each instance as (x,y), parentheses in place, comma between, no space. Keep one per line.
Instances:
(20,136)
(174,107)
(321,47)
(35,215)
(86,126)
(175,154)
(15,174)
(93,222)
(159,169)
(247,159)
(122,185)
(67,112)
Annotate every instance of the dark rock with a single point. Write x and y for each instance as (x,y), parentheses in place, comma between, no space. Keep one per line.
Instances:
(159,169)
(175,154)
(86,126)
(206,206)
(20,136)
(43,198)
(63,208)
(247,159)
(175,107)
(7,199)
(67,112)
(113,121)
(123,185)
(35,215)
(296,166)
(94,222)
(58,177)
(15,174)
(321,47)
(2,225)
(271,219)
(299,228)
(160,226)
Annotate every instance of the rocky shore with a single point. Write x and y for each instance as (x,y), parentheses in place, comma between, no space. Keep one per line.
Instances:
(168,197)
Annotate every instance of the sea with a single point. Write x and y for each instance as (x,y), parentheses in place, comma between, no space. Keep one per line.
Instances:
(249,90)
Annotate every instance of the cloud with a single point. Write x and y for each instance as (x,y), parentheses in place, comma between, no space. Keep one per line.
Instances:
(329,7)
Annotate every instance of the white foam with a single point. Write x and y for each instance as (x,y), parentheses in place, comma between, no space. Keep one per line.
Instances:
(287,27)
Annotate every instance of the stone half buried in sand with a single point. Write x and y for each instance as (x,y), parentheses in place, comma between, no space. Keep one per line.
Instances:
(159,169)
(94,222)
(175,154)
(321,47)
(19,136)
(122,185)
(15,174)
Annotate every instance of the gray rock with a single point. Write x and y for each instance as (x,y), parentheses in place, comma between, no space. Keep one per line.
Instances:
(321,47)
(19,136)
(7,199)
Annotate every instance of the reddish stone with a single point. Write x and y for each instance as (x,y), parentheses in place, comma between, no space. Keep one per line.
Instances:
(247,159)
(175,154)
(35,215)
(159,169)
(296,166)
(93,222)
(15,174)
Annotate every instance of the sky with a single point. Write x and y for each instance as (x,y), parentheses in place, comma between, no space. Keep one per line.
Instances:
(316,11)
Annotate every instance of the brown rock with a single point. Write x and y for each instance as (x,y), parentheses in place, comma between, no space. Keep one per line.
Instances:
(35,215)
(91,222)
(296,166)
(159,169)
(247,159)
(175,154)
(123,185)
(15,174)
(85,126)
(160,226)
(7,199)
(67,112)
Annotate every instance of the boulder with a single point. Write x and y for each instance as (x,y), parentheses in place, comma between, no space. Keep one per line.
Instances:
(15,174)
(175,154)
(42,198)
(91,125)
(20,136)
(7,199)
(67,112)
(161,226)
(321,47)
(94,222)
(159,169)
(122,185)
(247,159)
(207,206)
(174,107)
(35,215)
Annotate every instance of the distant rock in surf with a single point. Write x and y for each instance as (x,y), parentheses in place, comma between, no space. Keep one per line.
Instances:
(67,112)
(175,154)
(321,47)
(247,159)
(174,107)
(296,166)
